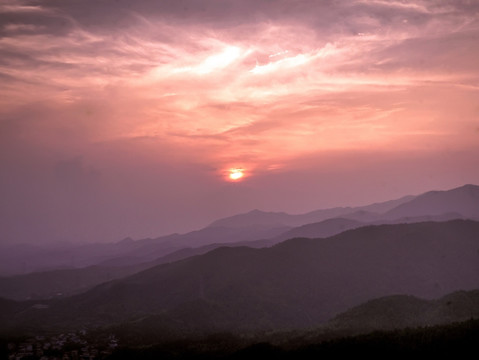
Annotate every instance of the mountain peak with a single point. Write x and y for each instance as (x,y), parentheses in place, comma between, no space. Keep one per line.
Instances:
(127,240)
(469,187)
(253,218)
(463,200)
(257,211)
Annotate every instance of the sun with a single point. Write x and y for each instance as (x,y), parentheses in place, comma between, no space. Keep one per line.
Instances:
(236,174)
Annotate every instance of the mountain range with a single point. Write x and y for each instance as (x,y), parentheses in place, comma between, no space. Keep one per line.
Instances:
(255,271)
(297,283)
(78,268)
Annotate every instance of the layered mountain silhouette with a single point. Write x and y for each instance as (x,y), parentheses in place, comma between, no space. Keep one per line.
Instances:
(461,202)
(66,282)
(297,283)
(258,217)
(29,258)
(78,268)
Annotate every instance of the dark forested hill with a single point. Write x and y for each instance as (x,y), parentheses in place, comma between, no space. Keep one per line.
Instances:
(401,311)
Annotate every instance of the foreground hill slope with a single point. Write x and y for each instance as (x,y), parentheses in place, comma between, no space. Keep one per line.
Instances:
(456,341)
(297,283)
(401,311)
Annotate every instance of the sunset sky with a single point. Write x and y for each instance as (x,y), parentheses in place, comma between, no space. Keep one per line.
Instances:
(125,118)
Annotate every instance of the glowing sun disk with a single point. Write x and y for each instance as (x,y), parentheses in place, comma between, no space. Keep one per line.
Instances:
(236,174)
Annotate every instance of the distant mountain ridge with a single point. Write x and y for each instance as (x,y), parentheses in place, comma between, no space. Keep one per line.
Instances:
(256,217)
(66,282)
(254,225)
(82,267)
(27,258)
(463,200)
(458,203)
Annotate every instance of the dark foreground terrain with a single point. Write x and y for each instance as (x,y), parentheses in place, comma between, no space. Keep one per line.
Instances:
(456,340)
(452,340)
